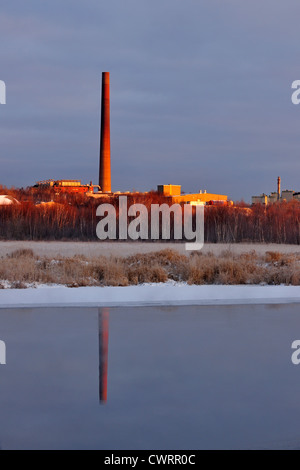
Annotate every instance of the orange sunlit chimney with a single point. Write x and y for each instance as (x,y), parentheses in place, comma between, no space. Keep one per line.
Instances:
(105,173)
(103,353)
(278,187)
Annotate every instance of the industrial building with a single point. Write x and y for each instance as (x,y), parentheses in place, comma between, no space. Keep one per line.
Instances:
(278,196)
(169,189)
(174,191)
(67,186)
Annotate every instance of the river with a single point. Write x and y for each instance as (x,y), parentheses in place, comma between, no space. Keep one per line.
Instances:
(206,377)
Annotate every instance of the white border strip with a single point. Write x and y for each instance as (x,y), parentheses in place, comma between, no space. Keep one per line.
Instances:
(147,296)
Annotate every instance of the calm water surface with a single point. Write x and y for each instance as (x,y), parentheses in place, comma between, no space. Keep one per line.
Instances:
(150,378)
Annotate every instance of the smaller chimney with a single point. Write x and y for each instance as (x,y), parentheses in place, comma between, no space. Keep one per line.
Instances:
(278,187)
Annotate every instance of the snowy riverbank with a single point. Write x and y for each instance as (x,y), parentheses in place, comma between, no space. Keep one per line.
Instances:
(142,295)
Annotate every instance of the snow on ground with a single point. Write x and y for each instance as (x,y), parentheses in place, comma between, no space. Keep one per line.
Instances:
(147,295)
(7,200)
(92,249)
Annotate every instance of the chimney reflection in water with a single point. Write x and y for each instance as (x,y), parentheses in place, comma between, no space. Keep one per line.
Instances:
(103,352)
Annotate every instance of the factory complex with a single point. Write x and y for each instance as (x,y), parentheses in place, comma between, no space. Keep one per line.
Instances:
(170,191)
(276,196)
(103,189)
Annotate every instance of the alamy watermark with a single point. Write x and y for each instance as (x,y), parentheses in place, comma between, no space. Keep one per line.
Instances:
(185,221)
(2,353)
(296,354)
(2,92)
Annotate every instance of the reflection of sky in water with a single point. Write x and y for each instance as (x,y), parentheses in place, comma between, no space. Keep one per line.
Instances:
(178,378)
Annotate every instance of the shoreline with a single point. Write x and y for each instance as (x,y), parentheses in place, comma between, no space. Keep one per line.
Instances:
(147,295)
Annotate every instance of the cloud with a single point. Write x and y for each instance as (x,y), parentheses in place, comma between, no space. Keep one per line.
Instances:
(200,92)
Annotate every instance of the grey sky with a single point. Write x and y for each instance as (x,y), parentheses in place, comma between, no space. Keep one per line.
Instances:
(200,92)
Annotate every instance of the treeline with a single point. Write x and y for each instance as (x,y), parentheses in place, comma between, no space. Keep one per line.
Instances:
(47,216)
(276,223)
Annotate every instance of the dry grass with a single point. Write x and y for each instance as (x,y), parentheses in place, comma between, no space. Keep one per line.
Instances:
(22,253)
(23,268)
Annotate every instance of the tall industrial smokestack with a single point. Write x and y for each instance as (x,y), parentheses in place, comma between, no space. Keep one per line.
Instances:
(278,187)
(104,173)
